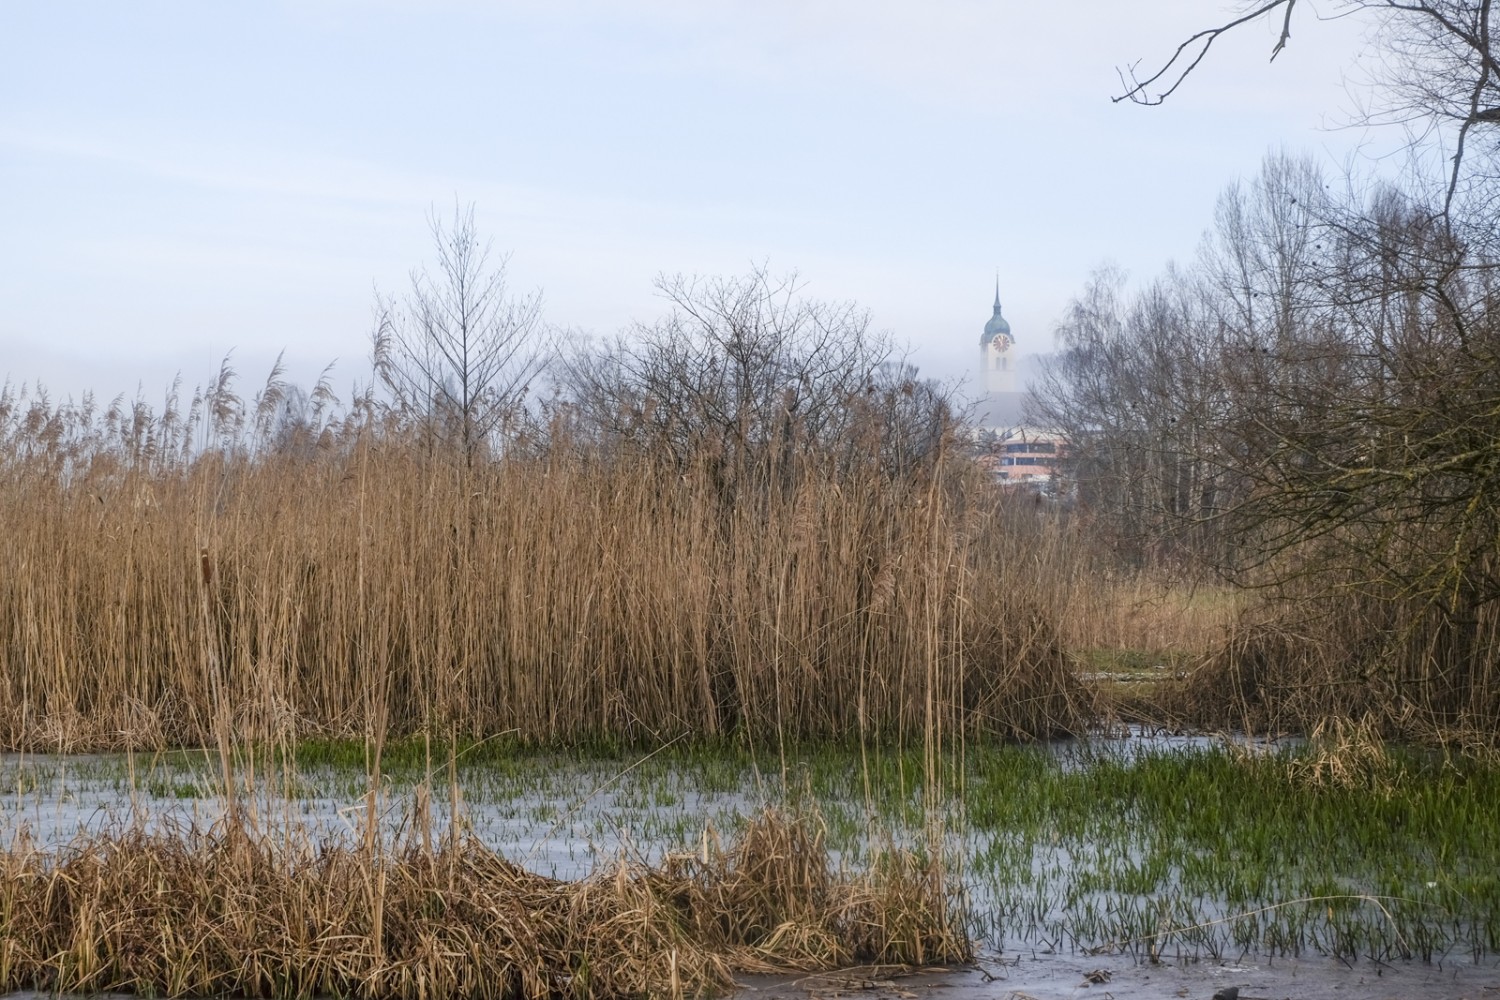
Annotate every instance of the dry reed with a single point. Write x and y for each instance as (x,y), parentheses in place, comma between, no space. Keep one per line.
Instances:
(157,573)
(229,912)
(1393,669)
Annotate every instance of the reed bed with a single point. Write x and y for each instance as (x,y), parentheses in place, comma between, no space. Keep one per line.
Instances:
(230,912)
(158,574)
(1394,668)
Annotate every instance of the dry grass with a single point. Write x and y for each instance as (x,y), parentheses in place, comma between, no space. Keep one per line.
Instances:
(1100,605)
(168,584)
(1346,755)
(1129,631)
(232,913)
(1147,613)
(150,584)
(1387,669)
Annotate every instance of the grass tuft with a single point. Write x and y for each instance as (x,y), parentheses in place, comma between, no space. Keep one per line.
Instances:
(220,912)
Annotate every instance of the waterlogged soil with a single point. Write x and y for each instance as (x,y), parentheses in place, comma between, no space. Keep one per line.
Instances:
(1136,866)
(1070,977)
(1064,977)
(1054,977)
(559,816)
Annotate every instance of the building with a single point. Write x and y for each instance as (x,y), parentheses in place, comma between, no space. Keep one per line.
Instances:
(1019,455)
(1000,407)
(997,362)
(1030,457)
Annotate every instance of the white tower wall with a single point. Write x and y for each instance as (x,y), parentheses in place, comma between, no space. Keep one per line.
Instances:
(997,362)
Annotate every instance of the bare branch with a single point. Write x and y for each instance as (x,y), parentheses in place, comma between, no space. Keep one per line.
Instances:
(1191,52)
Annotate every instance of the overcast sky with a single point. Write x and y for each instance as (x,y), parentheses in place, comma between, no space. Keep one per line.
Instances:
(182,179)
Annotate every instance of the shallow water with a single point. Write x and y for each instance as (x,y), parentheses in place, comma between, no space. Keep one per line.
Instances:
(1044,893)
(558,817)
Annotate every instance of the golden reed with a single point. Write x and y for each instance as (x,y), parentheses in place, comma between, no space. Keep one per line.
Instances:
(367,584)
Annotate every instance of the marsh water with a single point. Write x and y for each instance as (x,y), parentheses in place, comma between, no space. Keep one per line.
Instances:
(1127,865)
(559,815)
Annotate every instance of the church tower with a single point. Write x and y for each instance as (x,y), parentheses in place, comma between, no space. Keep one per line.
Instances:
(997,360)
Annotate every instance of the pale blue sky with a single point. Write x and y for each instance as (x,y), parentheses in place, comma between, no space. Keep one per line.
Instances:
(180,179)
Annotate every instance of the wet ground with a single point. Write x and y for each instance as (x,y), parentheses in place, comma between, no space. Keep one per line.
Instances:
(565,817)
(1072,978)
(1052,977)
(560,817)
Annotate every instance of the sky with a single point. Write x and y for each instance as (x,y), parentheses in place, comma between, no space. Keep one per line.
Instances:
(179,181)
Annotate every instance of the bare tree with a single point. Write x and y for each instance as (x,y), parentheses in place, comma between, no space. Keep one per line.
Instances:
(1163,83)
(1151,388)
(1313,408)
(747,376)
(1129,392)
(458,353)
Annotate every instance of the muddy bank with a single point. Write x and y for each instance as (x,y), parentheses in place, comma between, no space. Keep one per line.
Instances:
(1054,977)
(1050,977)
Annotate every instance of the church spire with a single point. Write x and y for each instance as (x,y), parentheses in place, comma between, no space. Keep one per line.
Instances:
(997,325)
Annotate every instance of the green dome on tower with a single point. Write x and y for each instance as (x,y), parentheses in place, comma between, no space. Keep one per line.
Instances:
(996,327)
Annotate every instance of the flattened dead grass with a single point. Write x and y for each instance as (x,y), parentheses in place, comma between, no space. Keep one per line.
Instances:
(200,913)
